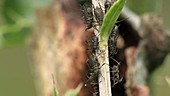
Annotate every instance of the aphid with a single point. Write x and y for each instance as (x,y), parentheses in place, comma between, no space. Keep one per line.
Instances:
(86,8)
(107,5)
(82,2)
(93,44)
(115,73)
(93,64)
(113,40)
(94,69)
(99,15)
(88,16)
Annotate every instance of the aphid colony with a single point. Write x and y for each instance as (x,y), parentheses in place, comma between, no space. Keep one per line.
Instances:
(92,17)
(88,9)
(93,64)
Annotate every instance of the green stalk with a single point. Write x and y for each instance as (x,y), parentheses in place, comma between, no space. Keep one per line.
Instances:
(109,21)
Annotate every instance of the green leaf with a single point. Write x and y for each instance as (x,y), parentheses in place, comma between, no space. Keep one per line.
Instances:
(110,19)
(74,92)
(55,92)
(9,39)
(17,20)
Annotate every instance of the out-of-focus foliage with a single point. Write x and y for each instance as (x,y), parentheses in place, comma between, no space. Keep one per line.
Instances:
(142,6)
(167,80)
(74,92)
(159,80)
(17,20)
(71,92)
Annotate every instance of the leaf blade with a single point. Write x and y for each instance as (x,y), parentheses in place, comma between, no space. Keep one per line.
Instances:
(110,19)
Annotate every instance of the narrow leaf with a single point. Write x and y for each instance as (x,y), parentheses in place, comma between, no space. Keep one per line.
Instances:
(110,19)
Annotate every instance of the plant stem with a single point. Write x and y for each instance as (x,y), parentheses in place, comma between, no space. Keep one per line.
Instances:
(104,78)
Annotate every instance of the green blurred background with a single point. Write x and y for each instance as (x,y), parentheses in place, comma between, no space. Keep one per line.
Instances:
(17,18)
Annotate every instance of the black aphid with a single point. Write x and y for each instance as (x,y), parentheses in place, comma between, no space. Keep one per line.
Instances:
(112,41)
(86,8)
(107,5)
(99,14)
(115,73)
(93,44)
(93,64)
(94,72)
